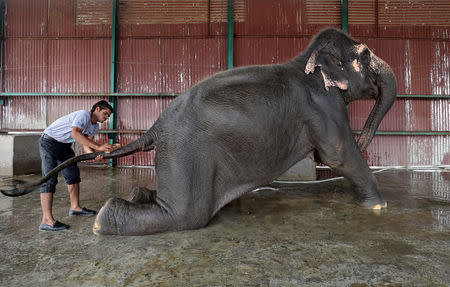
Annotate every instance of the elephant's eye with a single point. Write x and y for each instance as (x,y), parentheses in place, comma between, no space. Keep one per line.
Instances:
(365,56)
(337,61)
(339,64)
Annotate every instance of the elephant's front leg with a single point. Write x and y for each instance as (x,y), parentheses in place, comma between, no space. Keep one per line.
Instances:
(352,165)
(337,148)
(348,161)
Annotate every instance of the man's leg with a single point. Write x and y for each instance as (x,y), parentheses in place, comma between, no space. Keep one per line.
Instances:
(48,150)
(75,208)
(74,192)
(46,204)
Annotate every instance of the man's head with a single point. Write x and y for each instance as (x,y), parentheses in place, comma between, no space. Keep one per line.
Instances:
(101,111)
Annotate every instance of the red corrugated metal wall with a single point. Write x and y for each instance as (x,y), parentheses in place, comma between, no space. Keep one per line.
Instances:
(166,46)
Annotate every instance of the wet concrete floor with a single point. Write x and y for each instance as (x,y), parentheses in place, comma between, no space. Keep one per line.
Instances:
(288,235)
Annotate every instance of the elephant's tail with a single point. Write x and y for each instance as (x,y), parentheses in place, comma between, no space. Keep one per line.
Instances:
(17,188)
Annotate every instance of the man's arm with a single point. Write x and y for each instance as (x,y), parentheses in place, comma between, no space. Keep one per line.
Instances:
(86,148)
(88,142)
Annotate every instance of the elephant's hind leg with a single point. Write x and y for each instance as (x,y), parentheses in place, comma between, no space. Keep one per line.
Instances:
(121,217)
(184,199)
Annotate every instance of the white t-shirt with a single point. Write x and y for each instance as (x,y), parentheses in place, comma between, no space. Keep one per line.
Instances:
(61,129)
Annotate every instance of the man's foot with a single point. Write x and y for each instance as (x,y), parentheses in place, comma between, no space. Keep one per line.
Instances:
(83,211)
(57,226)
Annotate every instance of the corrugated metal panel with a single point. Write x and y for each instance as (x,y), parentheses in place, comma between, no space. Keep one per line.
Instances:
(405,115)
(140,113)
(80,18)
(414,19)
(321,14)
(361,12)
(362,17)
(139,66)
(177,11)
(323,11)
(176,18)
(272,18)
(79,66)
(207,57)
(27,113)
(25,18)
(387,151)
(421,67)
(256,51)
(440,115)
(408,150)
(176,67)
(25,66)
(268,50)
(188,61)
(289,48)
(417,12)
(219,10)
(440,69)
(93,12)
(58,13)
(163,12)
(62,18)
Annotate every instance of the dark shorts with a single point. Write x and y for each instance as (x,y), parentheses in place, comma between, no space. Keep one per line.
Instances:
(52,154)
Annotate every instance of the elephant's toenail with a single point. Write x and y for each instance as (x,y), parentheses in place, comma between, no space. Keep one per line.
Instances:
(96,227)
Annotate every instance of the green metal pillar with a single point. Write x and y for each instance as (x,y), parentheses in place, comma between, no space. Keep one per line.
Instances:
(230,41)
(113,99)
(344,15)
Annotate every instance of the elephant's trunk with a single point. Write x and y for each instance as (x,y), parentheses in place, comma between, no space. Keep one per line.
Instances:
(385,97)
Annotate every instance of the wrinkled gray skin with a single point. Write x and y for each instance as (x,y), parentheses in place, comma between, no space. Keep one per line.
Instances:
(243,128)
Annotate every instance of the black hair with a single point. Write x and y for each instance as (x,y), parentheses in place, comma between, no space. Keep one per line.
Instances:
(103,105)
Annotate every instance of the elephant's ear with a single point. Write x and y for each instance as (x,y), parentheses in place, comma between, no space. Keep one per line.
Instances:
(331,67)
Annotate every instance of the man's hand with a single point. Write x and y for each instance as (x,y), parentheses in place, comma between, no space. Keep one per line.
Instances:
(105,147)
(98,158)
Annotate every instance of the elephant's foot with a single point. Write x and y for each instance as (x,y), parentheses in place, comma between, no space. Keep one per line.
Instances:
(121,217)
(376,202)
(106,222)
(142,195)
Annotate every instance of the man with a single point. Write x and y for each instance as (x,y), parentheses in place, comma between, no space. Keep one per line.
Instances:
(55,147)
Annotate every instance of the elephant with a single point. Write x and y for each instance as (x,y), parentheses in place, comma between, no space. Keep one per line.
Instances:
(242,128)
